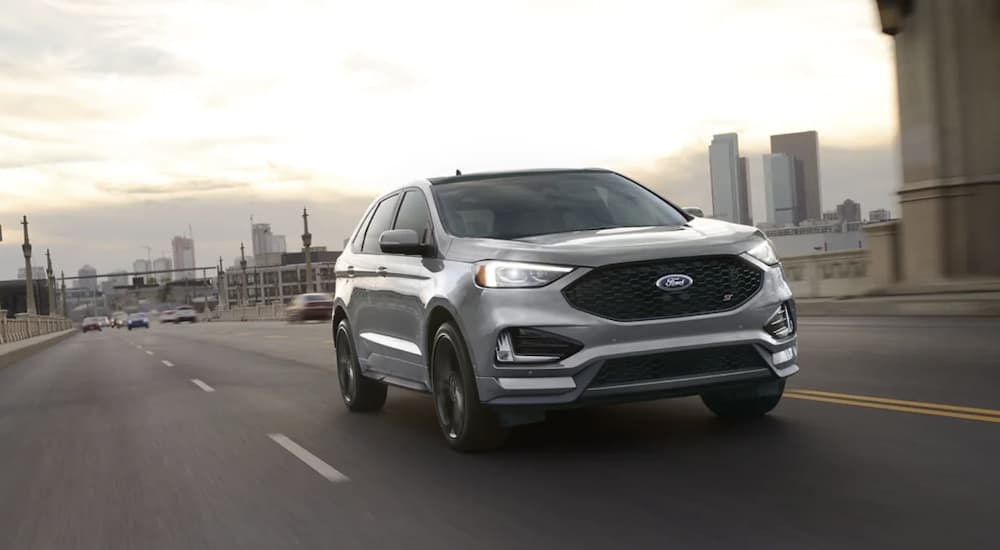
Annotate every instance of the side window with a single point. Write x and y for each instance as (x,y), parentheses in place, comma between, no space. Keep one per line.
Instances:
(413,214)
(360,234)
(381,222)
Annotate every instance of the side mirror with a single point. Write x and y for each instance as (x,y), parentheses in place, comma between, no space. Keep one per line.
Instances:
(402,241)
(694,211)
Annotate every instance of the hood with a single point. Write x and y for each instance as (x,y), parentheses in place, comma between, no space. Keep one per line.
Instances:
(598,247)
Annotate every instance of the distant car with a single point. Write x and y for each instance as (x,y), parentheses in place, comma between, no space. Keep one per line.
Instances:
(185,314)
(91,323)
(119,319)
(168,316)
(313,306)
(137,320)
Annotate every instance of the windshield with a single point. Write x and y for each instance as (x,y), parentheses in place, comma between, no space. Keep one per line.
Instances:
(526,205)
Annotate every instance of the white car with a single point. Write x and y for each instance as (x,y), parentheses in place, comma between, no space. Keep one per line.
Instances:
(168,316)
(185,314)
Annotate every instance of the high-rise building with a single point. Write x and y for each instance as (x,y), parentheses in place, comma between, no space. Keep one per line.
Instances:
(803,147)
(780,190)
(163,264)
(91,281)
(265,242)
(730,197)
(849,211)
(880,215)
(141,267)
(184,257)
(37,273)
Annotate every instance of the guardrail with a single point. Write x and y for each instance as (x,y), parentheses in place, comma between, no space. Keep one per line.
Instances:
(270,312)
(25,326)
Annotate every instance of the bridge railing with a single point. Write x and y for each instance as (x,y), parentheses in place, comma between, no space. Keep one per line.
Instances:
(25,326)
(829,274)
(260,312)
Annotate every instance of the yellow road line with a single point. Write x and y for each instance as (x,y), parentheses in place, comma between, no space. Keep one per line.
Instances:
(897,408)
(888,401)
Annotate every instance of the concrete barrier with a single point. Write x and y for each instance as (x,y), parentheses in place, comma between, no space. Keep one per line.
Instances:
(13,351)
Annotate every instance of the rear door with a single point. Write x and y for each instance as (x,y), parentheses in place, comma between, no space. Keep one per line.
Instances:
(401,299)
(361,273)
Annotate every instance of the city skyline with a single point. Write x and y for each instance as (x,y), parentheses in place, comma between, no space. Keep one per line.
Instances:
(394,103)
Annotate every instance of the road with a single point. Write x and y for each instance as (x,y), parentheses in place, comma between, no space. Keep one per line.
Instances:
(232,435)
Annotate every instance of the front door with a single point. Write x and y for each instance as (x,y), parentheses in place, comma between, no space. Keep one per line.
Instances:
(402,295)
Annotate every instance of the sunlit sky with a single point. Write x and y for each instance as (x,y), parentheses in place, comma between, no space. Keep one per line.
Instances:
(107,104)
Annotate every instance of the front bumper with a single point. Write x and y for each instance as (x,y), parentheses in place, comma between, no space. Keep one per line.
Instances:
(570,382)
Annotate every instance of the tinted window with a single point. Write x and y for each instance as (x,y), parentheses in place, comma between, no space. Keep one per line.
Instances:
(381,222)
(518,206)
(413,214)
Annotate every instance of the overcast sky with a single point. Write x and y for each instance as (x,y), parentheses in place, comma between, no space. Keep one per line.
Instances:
(121,122)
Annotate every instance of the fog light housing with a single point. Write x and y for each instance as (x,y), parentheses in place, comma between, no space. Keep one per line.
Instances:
(529,345)
(782,323)
(783,356)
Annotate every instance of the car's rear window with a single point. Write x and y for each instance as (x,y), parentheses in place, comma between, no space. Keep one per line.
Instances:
(526,205)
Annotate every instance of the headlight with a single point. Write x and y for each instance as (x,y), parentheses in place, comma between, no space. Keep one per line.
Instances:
(764,252)
(497,274)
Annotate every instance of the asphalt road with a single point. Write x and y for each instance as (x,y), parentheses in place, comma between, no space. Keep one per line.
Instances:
(233,436)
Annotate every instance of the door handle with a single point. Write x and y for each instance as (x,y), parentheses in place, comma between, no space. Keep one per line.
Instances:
(382,270)
(350,271)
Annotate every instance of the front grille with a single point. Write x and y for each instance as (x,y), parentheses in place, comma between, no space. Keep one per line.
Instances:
(675,364)
(628,292)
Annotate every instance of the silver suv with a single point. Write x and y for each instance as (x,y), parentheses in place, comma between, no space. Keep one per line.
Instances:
(505,295)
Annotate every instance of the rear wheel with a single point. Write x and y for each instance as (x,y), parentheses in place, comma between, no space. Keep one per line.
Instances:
(466,424)
(360,393)
(746,402)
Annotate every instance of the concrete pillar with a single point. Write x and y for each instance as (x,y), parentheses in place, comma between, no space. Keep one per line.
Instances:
(3,327)
(948,72)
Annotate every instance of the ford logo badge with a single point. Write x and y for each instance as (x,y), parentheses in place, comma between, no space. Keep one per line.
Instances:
(674,282)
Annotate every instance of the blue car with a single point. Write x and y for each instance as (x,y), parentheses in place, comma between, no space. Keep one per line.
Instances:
(137,320)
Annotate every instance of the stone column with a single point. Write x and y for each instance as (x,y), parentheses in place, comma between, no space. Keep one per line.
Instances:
(948,72)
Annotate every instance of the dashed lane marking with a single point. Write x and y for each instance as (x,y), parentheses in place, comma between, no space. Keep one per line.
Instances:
(311,460)
(202,385)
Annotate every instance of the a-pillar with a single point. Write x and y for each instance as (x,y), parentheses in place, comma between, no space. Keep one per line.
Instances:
(948,72)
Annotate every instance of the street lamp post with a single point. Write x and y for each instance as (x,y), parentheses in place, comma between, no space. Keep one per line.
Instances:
(307,250)
(219,280)
(62,285)
(26,248)
(51,281)
(243,282)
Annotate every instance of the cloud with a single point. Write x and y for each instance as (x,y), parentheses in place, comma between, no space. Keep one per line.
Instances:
(126,61)
(381,74)
(175,188)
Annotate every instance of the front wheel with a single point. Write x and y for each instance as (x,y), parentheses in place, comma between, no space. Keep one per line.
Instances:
(466,424)
(746,402)
(360,393)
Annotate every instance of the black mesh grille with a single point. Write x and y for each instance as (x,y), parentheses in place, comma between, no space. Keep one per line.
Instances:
(677,364)
(628,292)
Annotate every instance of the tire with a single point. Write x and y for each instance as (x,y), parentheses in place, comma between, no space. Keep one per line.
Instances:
(748,402)
(465,423)
(359,393)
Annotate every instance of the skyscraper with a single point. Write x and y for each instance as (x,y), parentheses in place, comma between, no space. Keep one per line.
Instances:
(91,281)
(265,242)
(162,264)
(780,190)
(730,197)
(849,211)
(184,257)
(803,147)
